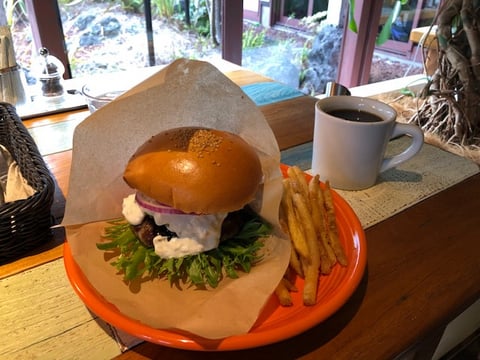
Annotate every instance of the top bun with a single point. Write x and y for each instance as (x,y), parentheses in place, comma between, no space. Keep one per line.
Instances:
(196,170)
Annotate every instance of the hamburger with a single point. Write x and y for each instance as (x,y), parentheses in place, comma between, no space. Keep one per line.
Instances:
(190,217)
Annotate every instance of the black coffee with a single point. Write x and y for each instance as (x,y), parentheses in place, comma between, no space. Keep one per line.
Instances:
(355,115)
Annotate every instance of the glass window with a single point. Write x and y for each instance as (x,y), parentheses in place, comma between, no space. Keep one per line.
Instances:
(296,9)
(414,14)
(319,5)
(427,15)
(403,23)
(108,36)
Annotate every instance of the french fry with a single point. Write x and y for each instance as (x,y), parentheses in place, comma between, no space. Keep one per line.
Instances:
(313,189)
(329,259)
(332,227)
(310,286)
(319,223)
(313,263)
(296,232)
(308,217)
(298,182)
(295,263)
(305,218)
(283,294)
(317,216)
(289,280)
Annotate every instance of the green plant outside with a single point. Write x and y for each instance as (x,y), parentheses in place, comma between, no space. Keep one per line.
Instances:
(252,38)
(387,27)
(164,8)
(135,6)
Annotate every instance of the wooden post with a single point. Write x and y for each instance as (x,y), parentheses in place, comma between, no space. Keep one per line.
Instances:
(47,30)
(357,48)
(232,34)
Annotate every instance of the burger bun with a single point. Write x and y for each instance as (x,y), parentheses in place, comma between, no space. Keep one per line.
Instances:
(196,170)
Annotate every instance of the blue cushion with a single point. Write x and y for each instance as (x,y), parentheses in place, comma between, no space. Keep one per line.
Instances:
(265,93)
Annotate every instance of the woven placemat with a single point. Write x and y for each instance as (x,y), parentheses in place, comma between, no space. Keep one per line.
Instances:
(429,172)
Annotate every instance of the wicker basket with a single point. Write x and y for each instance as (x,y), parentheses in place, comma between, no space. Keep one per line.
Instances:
(24,224)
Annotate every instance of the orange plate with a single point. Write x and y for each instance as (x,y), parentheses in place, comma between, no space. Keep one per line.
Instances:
(275,323)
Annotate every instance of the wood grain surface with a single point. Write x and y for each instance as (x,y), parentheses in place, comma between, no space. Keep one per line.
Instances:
(422,271)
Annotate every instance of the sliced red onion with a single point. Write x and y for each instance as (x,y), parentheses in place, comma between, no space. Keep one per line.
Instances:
(150,205)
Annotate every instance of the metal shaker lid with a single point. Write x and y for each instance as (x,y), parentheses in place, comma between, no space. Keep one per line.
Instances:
(47,66)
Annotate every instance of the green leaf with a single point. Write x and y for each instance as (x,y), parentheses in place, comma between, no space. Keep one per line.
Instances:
(232,255)
(407,92)
(387,27)
(194,271)
(133,269)
(352,25)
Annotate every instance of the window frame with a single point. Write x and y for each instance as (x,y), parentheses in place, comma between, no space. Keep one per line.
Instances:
(353,70)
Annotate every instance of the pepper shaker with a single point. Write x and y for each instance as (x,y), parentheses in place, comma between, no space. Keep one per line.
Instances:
(49,71)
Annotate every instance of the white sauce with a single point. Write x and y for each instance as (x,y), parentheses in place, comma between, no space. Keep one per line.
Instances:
(131,211)
(196,233)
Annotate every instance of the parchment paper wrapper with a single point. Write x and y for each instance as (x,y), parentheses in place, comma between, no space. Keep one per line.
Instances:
(185,93)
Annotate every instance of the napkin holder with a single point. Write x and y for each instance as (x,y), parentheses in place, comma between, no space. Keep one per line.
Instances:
(24,224)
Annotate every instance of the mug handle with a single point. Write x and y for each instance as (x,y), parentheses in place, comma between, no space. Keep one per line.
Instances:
(417,141)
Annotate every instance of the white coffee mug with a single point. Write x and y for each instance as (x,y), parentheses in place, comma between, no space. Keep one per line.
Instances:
(351,153)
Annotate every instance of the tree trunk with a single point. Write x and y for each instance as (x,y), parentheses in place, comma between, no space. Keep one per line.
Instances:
(215,18)
(453,91)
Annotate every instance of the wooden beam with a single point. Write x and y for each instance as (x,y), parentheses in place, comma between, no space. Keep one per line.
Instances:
(47,30)
(357,48)
(232,30)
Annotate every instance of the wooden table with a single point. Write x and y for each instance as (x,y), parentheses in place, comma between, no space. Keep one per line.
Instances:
(425,35)
(423,268)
